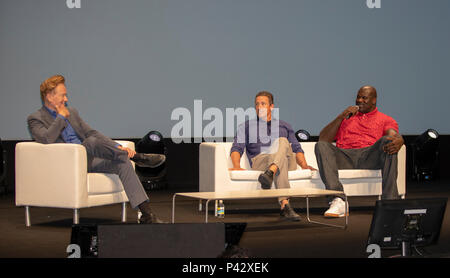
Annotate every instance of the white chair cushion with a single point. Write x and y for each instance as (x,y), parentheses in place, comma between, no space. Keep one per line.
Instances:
(357,174)
(352,174)
(251,175)
(99,183)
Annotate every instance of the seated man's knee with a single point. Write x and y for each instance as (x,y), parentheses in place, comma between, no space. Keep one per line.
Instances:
(383,141)
(279,144)
(90,142)
(282,141)
(321,145)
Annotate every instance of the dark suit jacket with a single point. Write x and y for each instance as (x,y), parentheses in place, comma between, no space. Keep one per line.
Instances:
(46,129)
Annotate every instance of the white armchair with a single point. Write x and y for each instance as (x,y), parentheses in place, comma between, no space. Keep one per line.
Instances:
(55,175)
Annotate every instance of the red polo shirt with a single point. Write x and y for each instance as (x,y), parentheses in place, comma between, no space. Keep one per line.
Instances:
(363,130)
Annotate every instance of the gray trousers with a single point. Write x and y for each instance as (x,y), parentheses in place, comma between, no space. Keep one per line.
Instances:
(331,158)
(104,157)
(282,156)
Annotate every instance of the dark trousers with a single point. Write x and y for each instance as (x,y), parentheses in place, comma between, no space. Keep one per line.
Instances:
(330,159)
(105,157)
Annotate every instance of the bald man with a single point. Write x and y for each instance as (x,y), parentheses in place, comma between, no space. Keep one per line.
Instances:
(365,139)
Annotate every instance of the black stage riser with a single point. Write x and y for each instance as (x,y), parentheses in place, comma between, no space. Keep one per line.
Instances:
(183,240)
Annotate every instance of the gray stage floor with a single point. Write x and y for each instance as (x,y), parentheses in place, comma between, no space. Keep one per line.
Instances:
(266,236)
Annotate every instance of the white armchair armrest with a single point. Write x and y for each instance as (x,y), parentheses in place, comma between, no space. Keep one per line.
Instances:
(51,175)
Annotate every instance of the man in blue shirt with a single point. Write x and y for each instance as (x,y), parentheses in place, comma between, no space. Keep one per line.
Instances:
(57,123)
(276,153)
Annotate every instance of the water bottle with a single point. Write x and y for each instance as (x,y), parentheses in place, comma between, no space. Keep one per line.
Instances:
(221,209)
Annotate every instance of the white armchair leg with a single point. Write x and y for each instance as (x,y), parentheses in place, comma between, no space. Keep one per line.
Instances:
(27,216)
(76,216)
(124,212)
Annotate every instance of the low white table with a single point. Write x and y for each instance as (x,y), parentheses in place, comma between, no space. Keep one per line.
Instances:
(260,194)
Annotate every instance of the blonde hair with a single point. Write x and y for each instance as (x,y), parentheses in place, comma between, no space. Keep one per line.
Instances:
(50,84)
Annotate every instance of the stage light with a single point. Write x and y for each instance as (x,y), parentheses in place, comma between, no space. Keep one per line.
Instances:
(302,135)
(152,178)
(152,142)
(425,155)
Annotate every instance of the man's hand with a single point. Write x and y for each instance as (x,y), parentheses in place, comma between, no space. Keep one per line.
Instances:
(394,146)
(131,152)
(308,167)
(236,169)
(300,158)
(350,110)
(236,159)
(62,109)
(328,133)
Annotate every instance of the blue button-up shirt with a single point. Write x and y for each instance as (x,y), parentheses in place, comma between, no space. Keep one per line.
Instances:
(256,142)
(68,134)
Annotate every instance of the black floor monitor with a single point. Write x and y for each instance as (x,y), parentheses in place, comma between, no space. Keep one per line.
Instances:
(402,224)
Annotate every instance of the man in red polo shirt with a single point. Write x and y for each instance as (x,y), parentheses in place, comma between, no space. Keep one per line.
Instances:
(365,139)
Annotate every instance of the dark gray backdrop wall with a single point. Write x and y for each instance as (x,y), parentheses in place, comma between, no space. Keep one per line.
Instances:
(129,64)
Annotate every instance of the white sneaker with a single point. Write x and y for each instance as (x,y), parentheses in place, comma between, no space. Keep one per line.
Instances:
(337,209)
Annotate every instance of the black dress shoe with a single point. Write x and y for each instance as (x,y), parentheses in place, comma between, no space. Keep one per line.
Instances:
(266,179)
(287,213)
(150,219)
(148,159)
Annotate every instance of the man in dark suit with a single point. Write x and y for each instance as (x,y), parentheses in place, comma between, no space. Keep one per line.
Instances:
(57,123)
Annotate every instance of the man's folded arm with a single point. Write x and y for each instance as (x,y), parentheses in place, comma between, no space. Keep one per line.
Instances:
(236,160)
(396,143)
(89,131)
(328,133)
(45,135)
(238,148)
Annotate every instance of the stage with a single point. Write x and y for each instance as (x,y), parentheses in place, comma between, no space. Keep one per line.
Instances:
(266,236)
